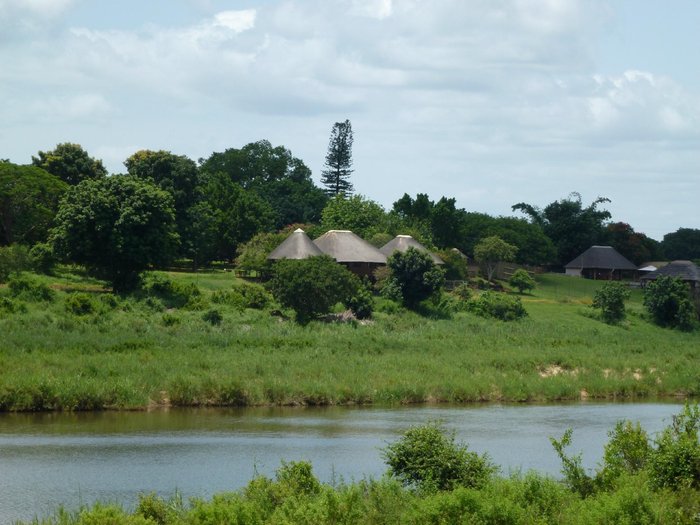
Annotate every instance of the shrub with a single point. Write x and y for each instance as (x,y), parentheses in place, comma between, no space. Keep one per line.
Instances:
(627,452)
(415,275)
(213,317)
(675,461)
(575,475)
(29,288)
(668,301)
(428,457)
(521,280)
(497,305)
(610,299)
(170,319)
(42,258)
(79,303)
(9,306)
(463,292)
(254,296)
(173,294)
(311,287)
(361,303)
(14,258)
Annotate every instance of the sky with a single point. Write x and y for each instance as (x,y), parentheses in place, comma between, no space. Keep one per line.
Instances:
(492,102)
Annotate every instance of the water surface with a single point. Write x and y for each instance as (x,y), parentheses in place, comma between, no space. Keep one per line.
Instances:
(53,459)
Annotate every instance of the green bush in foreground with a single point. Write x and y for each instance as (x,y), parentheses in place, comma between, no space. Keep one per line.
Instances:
(24,286)
(428,457)
(454,487)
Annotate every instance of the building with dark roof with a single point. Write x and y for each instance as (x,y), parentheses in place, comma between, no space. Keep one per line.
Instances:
(685,270)
(601,262)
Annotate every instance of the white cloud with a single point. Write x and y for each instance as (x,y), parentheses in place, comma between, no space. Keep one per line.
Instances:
(83,106)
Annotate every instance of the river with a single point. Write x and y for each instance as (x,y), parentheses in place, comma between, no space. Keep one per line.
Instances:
(70,459)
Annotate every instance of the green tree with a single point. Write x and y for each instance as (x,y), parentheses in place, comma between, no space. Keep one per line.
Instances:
(521,280)
(70,163)
(338,167)
(492,250)
(179,176)
(357,214)
(428,457)
(252,255)
(117,227)
(684,243)
(636,246)
(572,227)
(610,300)
(238,214)
(311,287)
(668,301)
(276,176)
(415,275)
(29,199)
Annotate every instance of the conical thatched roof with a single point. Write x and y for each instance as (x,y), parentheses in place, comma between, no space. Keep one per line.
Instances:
(685,270)
(402,243)
(296,246)
(603,258)
(346,247)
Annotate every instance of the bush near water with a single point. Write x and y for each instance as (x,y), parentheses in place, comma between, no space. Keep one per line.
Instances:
(434,480)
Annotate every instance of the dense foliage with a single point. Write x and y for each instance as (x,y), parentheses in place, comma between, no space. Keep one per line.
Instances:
(29,199)
(682,244)
(117,227)
(668,301)
(428,457)
(492,250)
(311,287)
(521,280)
(610,300)
(70,163)
(414,276)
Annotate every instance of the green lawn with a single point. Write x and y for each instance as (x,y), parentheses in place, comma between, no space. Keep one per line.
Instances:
(134,354)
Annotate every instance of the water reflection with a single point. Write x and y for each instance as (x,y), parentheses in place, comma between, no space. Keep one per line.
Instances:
(58,458)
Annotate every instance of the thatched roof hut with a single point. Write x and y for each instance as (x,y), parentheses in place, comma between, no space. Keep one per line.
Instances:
(296,246)
(685,270)
(401,243)
(600,262)
(351,250)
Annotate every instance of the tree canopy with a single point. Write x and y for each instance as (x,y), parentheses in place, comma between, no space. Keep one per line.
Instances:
(70,163)
(357,214)
(415,275)
(492,250)
(572,227)
(276,176)
(338,167)
(29,199)
(116,227)
(684,243)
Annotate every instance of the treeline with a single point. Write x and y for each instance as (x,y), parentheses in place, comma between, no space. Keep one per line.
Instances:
(204,211)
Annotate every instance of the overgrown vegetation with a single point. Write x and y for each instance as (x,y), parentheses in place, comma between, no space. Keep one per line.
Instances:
(433,480)
(610,300)
(668,301)
(99,350)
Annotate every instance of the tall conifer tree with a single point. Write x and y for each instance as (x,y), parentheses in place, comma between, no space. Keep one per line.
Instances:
(339,161)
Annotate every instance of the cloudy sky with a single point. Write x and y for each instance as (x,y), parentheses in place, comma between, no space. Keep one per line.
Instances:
(493,102)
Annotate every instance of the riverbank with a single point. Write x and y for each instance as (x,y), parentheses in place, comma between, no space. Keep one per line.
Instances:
(130,353)
(642,478)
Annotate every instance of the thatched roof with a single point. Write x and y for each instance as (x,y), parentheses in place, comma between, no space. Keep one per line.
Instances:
(685,270)
(346,247)
(402,243)
(602,258)
(296,246)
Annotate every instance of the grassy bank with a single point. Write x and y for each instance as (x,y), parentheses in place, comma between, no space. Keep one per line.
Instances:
(136,353)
